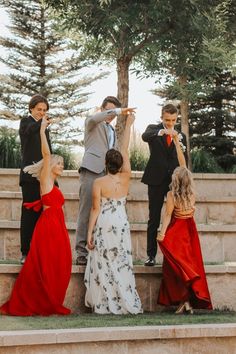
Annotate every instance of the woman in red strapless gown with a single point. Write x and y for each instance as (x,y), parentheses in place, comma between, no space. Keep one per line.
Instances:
(184,281)
(42,283)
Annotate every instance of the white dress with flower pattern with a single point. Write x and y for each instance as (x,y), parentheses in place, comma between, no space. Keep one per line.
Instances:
(109,277)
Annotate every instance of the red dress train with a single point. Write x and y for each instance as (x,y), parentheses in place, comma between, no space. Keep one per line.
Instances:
(42,283)
(183,271)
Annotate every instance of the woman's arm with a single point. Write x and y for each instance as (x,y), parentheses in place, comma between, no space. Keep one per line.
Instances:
(45,183)
(96,197)
(180,154)
(125,144)
(167,216)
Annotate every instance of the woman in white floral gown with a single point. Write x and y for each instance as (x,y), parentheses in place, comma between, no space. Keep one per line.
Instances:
(109,277)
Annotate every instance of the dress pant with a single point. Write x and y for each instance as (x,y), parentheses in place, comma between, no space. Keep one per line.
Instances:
(29,217)
(86,179)
(156,195)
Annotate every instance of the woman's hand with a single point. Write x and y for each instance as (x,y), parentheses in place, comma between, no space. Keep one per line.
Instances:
(160,237)
(90,242)
(44,123)
(175,137)
(130,119)
(127,110)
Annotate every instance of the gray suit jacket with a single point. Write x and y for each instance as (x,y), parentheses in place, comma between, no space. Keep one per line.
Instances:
(96,141)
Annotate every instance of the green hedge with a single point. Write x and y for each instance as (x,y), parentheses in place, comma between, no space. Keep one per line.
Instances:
(10,151)
(10,154)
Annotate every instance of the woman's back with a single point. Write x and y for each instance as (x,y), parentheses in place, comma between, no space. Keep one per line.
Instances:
(184,210)
(114,186)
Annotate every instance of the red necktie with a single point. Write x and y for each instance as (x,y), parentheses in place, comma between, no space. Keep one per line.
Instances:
(168,139)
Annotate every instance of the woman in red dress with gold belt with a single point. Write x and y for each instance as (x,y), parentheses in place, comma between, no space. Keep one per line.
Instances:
(42,283)
(184,281)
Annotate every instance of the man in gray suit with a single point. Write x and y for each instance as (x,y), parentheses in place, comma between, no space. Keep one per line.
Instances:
(99,137)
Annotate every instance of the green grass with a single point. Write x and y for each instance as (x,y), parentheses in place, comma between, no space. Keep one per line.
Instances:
(93,320)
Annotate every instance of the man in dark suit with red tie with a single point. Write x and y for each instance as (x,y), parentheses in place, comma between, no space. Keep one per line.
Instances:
(157,175)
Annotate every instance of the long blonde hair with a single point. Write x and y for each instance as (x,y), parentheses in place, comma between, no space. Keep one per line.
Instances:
(182,187)
(35,168)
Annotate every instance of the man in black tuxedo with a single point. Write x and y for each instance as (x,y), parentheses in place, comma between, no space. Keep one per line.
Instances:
(157,175)
(31,152)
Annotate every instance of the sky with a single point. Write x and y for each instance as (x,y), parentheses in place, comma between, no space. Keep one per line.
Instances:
(140,96)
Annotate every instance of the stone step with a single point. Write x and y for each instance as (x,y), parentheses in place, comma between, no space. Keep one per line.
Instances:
(221,281)
(171,339)
(208,210)
(207,184)
(217,241)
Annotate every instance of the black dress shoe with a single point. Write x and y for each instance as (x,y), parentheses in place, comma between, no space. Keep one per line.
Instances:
(150,262)
(22,260)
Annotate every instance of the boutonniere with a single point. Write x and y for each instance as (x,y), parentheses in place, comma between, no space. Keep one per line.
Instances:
(180,137)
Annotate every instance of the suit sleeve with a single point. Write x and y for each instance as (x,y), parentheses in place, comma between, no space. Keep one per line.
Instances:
(28,127)
(92,121)
(150,133)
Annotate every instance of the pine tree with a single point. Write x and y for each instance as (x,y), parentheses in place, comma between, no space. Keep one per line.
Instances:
(42,60)
(213,120)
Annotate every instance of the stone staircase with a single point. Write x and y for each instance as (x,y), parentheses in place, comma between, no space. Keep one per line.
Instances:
(215,217)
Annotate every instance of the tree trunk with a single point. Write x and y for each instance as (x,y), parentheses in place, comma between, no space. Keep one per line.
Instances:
(184,110)
(123,92)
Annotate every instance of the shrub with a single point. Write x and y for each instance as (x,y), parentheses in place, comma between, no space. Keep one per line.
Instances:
(10,154)
(138,159)
(65,152)
(204,162)
(227,162)
(233,169)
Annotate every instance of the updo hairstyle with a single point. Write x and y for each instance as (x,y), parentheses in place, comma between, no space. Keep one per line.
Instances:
(113,161)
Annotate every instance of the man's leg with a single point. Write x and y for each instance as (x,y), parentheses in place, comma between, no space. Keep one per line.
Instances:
(29,217)
(85,202)
(156,196)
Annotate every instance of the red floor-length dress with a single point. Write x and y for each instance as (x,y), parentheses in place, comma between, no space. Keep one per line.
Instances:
(41,285)
(183,271)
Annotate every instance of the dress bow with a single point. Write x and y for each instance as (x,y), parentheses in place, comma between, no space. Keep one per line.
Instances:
(36,205)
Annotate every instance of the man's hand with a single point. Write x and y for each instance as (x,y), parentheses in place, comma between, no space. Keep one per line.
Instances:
(126,111)
(165,131)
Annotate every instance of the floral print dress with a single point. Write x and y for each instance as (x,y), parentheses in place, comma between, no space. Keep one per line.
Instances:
(109,277)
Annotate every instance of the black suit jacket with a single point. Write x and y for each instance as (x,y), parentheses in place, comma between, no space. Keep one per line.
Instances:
(163,159)
(30,146)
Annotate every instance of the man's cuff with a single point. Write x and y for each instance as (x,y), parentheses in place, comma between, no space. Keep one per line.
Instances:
(115,111)
(118,111)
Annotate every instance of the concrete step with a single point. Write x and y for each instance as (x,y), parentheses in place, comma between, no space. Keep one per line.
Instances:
(217,241)
(221,281)
(207,184)
(171,339)
(208,210)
